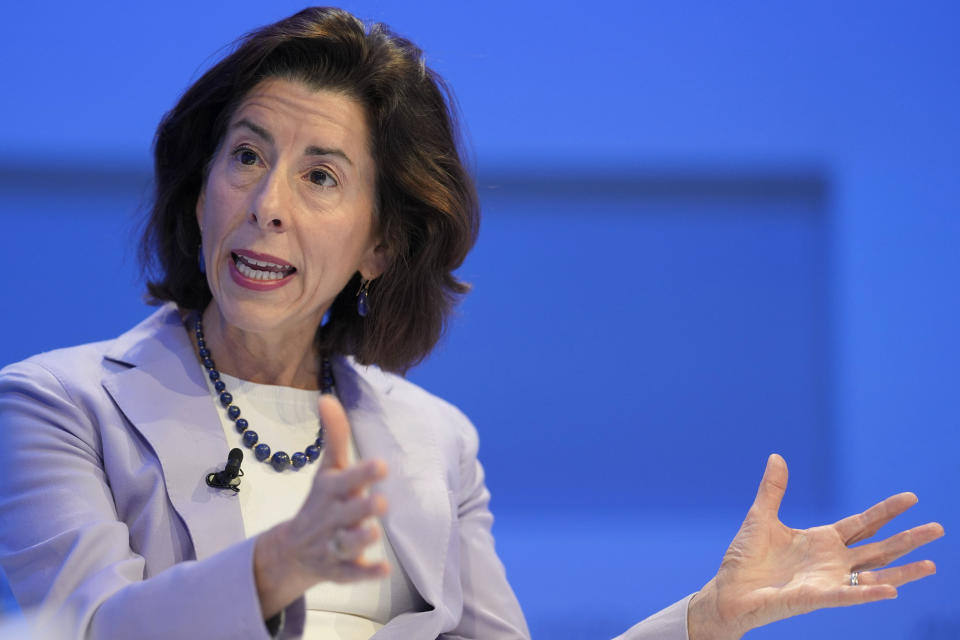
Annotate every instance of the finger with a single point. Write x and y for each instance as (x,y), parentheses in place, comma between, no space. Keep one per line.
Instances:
(897,576)
(863,525)
(882,553)
(352,480)
(351,512)
(353,541)
(772,485)
(846,596)
(336,432)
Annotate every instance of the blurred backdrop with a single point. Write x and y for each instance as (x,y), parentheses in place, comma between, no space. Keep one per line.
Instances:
(711,231)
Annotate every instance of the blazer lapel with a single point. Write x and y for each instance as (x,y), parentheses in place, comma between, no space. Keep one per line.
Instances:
(419,518)
(165,397)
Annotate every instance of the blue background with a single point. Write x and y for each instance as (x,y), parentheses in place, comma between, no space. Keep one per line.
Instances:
(712,231)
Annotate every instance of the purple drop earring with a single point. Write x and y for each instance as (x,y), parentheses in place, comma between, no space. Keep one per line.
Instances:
(362,305)
(200,261)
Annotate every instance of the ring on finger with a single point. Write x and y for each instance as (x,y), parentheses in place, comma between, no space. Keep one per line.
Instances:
(336,546)
(854,578)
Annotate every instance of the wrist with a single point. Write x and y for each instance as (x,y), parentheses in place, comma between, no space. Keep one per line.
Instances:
(276,580)
(705,620)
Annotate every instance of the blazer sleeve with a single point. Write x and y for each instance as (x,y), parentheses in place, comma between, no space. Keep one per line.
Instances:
(490,608)
(67,555)
(667,624)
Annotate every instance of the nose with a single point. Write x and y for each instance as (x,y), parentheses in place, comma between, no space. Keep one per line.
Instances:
(268,206)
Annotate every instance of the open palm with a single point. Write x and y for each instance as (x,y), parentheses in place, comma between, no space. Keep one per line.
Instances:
(772,571)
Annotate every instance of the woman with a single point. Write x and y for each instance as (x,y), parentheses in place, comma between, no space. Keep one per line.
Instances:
(311,206)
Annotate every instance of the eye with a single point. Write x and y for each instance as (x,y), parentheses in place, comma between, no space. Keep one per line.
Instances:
(322,178)
(246,156)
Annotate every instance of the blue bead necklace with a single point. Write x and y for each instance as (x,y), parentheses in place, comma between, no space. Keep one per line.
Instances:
(279,460)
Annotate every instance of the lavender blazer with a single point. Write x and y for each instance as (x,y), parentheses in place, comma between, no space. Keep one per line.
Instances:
(109,530)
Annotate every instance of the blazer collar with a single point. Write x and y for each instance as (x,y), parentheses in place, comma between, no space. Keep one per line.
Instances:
(164,395)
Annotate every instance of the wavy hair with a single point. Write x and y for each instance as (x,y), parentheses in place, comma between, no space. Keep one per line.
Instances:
(426,204)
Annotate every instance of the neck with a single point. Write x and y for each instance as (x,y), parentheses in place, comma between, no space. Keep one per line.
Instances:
(278,358)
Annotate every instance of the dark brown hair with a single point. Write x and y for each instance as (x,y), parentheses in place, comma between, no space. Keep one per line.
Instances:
(427,213)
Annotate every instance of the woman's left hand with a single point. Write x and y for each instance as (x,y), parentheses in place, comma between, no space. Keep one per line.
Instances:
(772,572)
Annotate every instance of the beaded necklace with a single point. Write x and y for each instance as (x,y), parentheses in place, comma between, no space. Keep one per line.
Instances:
(279,460)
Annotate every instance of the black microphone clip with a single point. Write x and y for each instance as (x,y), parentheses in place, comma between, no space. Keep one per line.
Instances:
(229,478)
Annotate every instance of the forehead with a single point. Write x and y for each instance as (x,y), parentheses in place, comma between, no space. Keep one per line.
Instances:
(291,111)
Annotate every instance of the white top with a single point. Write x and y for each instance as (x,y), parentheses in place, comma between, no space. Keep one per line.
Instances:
(288,420)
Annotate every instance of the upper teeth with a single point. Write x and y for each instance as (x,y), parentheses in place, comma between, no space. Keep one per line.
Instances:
(261,263)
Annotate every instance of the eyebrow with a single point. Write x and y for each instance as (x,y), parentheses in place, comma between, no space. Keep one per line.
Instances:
(323,151)
(312,150)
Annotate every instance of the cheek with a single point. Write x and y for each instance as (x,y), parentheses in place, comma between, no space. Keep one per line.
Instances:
(332,252)
(218,212)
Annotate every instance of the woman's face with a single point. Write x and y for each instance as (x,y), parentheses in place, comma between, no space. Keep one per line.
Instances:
(287,211)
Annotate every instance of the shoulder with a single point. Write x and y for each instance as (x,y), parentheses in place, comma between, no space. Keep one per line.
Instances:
(61,396)
(399,398)
(74,370)
(69,367)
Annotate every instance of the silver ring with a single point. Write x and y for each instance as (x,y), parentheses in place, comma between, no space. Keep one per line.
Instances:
(854,578)
(335,546)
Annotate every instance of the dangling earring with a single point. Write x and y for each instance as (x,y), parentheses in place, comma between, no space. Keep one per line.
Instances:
(200,261)
(362,308)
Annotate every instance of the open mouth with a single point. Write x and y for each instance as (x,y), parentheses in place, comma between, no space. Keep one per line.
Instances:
(261,269)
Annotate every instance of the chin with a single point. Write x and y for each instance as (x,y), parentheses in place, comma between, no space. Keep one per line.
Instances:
(250,315)
(263,314)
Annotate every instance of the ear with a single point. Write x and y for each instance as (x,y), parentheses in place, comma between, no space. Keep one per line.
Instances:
(376,260)
(199,207)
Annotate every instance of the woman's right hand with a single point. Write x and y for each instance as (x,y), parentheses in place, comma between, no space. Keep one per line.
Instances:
(328,536)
